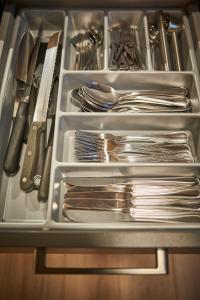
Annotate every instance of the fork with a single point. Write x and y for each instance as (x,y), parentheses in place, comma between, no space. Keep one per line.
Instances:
(168,147)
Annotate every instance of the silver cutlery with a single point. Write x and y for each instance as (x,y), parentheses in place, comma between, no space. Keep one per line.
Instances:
(171,147)
(154,40)
(164,39)
(43,191)
(98,97)
(124,51)
(174,28)
(153,200)
(24,74)
(86,43)
(40,115)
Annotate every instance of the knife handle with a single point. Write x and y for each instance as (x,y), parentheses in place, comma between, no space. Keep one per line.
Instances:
(40,161)
(13,153)
(31,156)
(31,110)
(43,192)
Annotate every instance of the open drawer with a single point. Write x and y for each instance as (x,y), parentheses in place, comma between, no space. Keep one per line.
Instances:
(27,222)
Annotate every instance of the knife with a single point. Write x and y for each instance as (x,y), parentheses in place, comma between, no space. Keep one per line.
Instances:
(13,153)
(44,160)
(39,120)
(42,143)
(36,84)
(43,192)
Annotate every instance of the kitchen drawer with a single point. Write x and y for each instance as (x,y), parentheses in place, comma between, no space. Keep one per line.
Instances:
(25,222)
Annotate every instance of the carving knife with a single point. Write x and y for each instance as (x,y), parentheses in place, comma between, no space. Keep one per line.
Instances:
(39,120)
(44,162)
(43,191)
(13,153)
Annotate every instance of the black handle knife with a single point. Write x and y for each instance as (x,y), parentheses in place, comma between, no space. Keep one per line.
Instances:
(13,154)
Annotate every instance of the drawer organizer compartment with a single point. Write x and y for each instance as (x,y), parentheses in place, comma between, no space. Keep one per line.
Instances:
(122,82)
(176,34)
(123,39)
(78,40)
(127,32)
(157,128)
(71,209)
(20,209)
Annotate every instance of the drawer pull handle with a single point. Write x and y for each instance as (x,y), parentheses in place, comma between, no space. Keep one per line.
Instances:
(41,268)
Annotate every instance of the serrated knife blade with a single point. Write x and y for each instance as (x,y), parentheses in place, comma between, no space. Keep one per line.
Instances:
(40,115)
(46,80)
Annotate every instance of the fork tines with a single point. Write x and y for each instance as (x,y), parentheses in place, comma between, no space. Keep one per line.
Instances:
(104,147)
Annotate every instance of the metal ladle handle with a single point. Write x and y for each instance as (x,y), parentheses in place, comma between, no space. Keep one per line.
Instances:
(166,60)
(176,50)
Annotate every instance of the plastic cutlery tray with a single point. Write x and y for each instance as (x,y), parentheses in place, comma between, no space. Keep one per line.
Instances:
(20,210)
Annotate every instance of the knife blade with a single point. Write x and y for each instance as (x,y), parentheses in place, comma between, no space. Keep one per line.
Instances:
(36,84)
(42,143)
(42,174)
(40,115)
(13,153)
(43,192)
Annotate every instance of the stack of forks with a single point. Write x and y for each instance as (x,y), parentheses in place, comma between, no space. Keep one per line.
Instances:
(171,147)
(156,200)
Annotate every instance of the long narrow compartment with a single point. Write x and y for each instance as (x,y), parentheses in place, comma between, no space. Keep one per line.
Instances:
(182,31)
(16,207)
(86,176)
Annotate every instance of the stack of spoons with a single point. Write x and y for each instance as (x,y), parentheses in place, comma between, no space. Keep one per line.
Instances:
(98,97)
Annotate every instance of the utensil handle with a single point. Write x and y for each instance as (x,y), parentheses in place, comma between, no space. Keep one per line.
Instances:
(40,160)
(43,192)
(176,50)
(12,158)
(31,110)
(31,156)
(166,59)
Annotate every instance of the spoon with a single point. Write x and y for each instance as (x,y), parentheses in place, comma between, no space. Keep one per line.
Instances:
(175,28)
(104,92)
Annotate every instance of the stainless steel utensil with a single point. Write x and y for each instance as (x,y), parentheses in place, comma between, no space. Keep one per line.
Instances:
(98,97)
(43,191)
(143,147)
(86,43)
(36,83)
(124,52)
(154,40)
(166,58)
(153,200)
(174,28)
(23,59)
(39,120)
(45,179)
(24,73)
